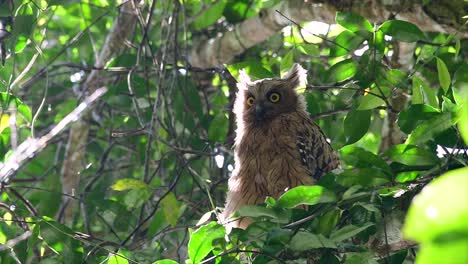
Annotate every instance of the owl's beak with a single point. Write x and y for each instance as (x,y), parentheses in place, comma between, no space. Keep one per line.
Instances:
(260,111)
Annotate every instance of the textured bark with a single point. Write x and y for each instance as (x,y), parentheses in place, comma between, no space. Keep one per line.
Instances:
(222,49)
(74,161)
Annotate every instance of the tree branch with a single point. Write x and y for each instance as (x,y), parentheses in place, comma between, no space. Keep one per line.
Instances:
(222,49)
(75,150)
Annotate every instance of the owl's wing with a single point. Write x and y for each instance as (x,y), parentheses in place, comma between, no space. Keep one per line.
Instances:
(316,153)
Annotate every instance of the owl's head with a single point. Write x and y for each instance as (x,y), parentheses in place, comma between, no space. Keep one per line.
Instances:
(262,100)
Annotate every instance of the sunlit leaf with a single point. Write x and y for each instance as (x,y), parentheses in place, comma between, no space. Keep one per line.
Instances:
(444,75)
(411,155)
(308,195)
(8,100)
(4,122)
(369,101)
(353,22)
(309,49)
(423,93)
(201,241)
(410,118)
(407,176)
(361,158)
(428,129)
(463,121)
(453,250)
(166,261)
(287,61)
(402,30)
(345,43)
(252,68)
(431,218)
(210,15)
(129,184)
(342,70)
(119,258)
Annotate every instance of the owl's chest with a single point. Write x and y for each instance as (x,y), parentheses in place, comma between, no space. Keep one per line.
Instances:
(269,161)
(267,143)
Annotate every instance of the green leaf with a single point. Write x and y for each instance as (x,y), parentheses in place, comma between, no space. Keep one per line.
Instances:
(463,121)
(369,101)
(410,118)
(342,70)
(254,69)
(8,100)
(171,208)
(457,47)
(308,195)
(287,61)
(237,11)
(210,15)
(218,129)
(362,177)
(460,94)
(305,241)
(166,261)
(418,94)
(454,251)
(430,218)
(428,129)
(61,239)
(360,158)
(260,211)
(411,155)
(346,42)
(25,111)
(360,258)
(356,125)
(423,93)
(348,232)
(328,221)
(309,49)
(444,75)
(407,176)
(23,25)
(201,241)
(119,258)
(353,22)
(402,31)
(129,184)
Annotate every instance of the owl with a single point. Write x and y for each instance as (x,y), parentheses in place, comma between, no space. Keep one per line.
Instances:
(277,145)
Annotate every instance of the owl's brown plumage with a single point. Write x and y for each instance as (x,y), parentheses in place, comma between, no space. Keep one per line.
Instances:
(277,146)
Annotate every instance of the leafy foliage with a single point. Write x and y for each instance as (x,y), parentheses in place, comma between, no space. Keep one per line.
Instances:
(158,153)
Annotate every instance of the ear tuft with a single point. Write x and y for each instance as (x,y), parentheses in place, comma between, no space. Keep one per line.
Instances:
(244,77)
(244,80)
(296,76)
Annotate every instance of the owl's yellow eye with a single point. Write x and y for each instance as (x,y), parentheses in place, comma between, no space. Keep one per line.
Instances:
(274,97)
(250,101)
